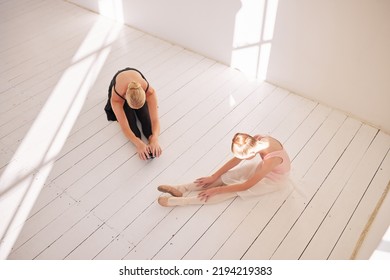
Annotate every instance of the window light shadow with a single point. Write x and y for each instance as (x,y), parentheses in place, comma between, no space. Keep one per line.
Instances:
(25,175)
(112,9)
(253,37)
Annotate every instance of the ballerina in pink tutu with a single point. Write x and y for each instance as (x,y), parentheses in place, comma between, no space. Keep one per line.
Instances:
(260,165)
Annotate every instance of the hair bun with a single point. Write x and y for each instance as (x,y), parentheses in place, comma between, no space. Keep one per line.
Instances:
(134,85)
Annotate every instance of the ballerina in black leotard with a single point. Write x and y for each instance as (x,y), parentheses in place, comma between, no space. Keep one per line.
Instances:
(130,97)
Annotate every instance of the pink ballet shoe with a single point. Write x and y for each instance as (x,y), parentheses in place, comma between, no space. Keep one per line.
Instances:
(163,201)
(171,190)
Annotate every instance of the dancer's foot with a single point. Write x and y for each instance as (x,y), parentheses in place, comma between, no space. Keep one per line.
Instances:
(163,201)
(171,190)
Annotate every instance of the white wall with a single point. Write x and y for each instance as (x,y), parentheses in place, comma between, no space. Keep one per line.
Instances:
(333,51)
(337,52)
(203,26)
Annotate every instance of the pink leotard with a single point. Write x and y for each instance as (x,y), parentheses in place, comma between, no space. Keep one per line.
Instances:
(282,169)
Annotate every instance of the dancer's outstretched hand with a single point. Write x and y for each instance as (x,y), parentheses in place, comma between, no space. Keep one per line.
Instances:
(142,150)
(204,182)
(155,149)
(206,194)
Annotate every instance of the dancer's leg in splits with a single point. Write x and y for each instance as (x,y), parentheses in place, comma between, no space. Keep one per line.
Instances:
(178,191)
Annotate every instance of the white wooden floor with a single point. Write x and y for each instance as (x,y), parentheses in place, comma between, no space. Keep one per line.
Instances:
(99,200)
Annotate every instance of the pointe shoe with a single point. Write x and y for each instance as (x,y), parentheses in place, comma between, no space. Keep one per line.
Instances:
(163,201)
(171,190)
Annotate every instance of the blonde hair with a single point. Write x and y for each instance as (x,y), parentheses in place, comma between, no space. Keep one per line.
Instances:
(243,145)
(135,95)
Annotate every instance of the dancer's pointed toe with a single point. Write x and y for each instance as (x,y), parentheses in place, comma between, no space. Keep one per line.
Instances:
(171,190)
(163,201)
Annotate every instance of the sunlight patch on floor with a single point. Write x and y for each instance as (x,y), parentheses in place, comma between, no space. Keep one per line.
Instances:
(25,175)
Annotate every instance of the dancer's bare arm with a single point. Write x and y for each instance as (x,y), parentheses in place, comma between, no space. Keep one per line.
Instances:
(206,181)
